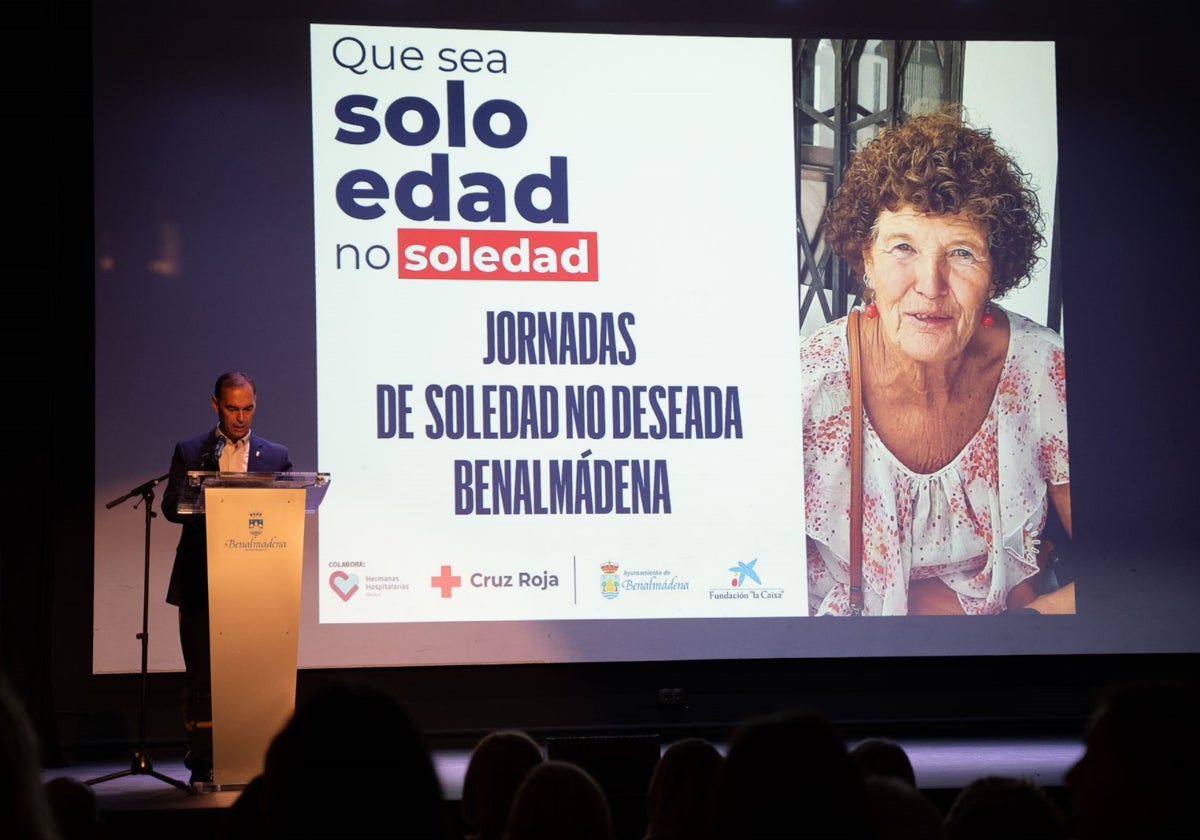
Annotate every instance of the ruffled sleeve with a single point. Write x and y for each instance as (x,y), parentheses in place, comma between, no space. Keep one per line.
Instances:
(825,433)
(1031,408)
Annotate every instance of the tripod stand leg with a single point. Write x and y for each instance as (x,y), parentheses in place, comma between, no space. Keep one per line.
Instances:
(119,774)
(141,764)
(164,778)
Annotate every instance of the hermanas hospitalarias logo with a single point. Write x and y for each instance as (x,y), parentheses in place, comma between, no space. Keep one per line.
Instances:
(345,584)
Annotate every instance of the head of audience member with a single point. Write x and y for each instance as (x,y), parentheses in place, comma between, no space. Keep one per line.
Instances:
(1002,807)
(682,795)
(246,818)
(900,811)
(498,765)
(789,774)
(882,757)
(559,800)
(1141,764)
(75,808)
(24,805)
(351,763)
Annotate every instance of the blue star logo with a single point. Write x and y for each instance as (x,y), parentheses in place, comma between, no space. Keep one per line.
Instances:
(745,570)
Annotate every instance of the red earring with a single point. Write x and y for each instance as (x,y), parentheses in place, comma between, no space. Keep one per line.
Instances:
(987,320)
(869,307)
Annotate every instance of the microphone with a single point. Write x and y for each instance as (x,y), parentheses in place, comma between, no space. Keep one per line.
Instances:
(218,448)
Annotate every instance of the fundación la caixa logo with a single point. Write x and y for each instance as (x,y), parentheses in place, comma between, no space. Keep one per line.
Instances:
(425,194)
(746,584)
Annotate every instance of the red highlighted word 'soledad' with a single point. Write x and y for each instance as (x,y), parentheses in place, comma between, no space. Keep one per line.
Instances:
(561,256)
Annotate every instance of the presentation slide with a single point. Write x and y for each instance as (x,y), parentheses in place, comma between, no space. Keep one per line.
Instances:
(534,299)
(556,326)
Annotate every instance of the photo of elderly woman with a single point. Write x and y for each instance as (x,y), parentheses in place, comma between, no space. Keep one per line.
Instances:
(963,404)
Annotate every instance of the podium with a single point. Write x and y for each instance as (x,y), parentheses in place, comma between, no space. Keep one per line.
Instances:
(255,527)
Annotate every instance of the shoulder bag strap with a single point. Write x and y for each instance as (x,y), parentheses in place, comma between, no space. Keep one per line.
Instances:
(856,455)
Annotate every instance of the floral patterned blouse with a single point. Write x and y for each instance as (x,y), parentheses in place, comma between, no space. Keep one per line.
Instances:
(975,523)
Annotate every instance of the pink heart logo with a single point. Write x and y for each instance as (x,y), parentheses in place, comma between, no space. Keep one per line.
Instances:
(343,584)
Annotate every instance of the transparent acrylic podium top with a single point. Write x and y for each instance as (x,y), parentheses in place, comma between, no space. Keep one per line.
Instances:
(191,500)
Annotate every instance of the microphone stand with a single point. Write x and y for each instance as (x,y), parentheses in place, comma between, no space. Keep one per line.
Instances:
(141,764)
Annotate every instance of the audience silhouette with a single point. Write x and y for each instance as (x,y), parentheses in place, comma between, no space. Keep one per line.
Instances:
(901,812)
(559,801)
(351,764)
(790,775)
(1141,764)
(682,796)
(883,757)
(1004,807)
(246,818)
(75,807)
(499,763)
(24,804)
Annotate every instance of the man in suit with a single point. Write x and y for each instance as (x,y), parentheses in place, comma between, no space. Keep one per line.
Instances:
(230,447)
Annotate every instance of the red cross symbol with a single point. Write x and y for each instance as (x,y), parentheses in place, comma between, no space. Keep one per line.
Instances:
(446,582)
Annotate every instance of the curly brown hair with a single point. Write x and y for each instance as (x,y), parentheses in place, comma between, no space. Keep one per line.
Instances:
(939,164)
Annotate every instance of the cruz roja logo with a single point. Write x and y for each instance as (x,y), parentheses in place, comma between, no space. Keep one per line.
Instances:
(447,581)
(521,580)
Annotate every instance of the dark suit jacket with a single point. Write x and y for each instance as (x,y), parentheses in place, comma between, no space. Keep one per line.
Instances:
(189,575)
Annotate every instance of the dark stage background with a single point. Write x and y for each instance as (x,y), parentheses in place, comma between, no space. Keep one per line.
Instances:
(1127,183)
